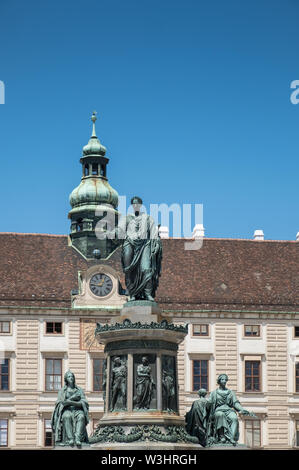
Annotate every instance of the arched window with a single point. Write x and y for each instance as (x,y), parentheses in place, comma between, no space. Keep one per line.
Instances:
(103,170)
(94,168)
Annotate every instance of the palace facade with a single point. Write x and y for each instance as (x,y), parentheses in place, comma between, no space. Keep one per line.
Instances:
(239,297)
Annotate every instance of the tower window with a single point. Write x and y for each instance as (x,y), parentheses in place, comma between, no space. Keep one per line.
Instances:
(94,168)
(79,225)
(103,170)
(86,170)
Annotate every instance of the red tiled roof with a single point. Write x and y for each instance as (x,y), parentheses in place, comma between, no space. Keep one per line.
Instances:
(230,274)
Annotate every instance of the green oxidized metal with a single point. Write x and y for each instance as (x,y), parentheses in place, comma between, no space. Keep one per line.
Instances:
(153,433)
(140,344)
(128,325)
(92,200)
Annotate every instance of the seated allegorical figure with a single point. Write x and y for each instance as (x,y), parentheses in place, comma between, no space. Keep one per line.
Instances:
(197,416)
(223,425)
(70,415)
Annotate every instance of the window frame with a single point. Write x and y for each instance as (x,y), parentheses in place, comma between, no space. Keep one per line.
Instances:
(8,375)
(45,434)
(7,431)
(252,376)
(101,374)
(196,335)
(10,328)
(252,336)
(61,373)
(192,373)
(295,376)
(54,333)
(252,420)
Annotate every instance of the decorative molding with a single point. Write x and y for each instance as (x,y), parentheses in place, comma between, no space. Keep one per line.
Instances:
(140,344)
(128,325)
(151,433)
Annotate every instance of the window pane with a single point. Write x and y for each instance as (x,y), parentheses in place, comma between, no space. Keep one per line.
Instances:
(4,366)
(57,382)
(57,366)
(256,438)
(5,327)
(49,385)
(49,366)
(296,331)
(3,432)
(49,327)
(58,327)
(248,438)
(4,382)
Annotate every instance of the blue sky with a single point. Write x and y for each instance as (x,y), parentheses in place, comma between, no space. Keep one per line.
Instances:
(193,99)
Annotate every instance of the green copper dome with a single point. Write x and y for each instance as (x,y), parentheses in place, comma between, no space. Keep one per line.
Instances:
(94,188)
(93,191)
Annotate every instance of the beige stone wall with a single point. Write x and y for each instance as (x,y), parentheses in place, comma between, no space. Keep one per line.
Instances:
(226,354)
(26,379)
(277,380)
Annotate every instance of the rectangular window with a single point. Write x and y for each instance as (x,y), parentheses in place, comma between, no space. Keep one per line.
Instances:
(252,376)
(48,435)
(4,374)
(251,330)
(54,328)
(297,376)
(253,432)
(94,168)
(200,330)
(3,432)
(296,331)
(53,374)
(200,374)
(4,326)
(98,374)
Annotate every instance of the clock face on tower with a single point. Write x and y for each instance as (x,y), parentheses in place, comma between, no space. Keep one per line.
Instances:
(100,284)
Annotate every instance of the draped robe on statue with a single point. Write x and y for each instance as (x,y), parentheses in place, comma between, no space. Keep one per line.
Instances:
(68,421)
(141,255)
(223,404)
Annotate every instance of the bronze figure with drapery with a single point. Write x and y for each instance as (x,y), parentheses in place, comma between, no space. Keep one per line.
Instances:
(70,416)
(141,253)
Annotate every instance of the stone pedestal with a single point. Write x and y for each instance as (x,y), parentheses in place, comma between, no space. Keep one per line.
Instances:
(141,405)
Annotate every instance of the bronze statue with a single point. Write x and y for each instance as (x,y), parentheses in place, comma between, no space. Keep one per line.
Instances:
(141,253)
(223,425)
(118,385)
(214,420)
(144,385)
(196,418)
(168,384)
(70,415)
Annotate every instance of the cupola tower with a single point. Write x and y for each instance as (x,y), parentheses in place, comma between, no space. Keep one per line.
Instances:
(92,200)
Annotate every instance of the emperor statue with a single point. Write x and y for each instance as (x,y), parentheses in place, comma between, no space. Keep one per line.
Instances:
(141,253)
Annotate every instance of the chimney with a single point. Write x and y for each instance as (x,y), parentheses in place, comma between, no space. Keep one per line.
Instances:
(258,235)
(198,231)
(164,232)
(297,237)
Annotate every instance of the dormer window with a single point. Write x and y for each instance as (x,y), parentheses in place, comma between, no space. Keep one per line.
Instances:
(86,170)
(94,168)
